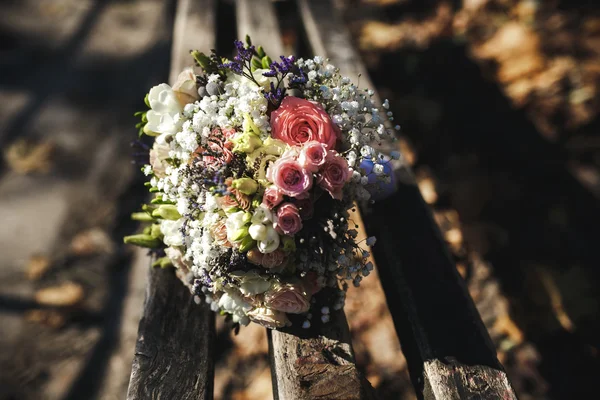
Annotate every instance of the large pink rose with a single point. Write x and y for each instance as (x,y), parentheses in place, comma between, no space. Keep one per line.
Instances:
(313,155)
(334,174)
(288,298)
(289,177)
(298,121)
(272,197)
(288,219)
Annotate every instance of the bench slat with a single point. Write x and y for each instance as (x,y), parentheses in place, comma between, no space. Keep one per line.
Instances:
(173,356)
(319,362)
(447,347)
(258,19)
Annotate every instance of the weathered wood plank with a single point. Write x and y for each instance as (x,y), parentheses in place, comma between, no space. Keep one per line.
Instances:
(257,18)
(173,357)
(441,333)
(319,362)
(195,28)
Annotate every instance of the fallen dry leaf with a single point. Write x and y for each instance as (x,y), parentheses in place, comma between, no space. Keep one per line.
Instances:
(66,294)
(51,318)
(93,241)
(37,267)
(25,157)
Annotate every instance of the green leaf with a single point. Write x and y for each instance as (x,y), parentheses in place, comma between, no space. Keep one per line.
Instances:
(260,52)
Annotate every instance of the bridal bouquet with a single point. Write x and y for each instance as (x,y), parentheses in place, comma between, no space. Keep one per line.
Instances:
(254,168)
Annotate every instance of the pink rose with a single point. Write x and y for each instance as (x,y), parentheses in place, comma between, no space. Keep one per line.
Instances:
(313,155)
(288,298)
(298,121)
(334,174)
(289,177)
(288,219)
(305,207)
(272,197)
(273,259)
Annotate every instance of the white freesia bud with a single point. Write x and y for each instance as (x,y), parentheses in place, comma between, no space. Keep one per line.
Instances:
(270,243)
(258,231)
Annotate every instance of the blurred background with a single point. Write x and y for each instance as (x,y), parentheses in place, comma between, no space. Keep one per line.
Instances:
(499,105)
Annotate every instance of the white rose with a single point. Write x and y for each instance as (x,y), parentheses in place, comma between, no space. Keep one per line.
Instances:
(271,243)
(164,108)
(235,222)
(172,232)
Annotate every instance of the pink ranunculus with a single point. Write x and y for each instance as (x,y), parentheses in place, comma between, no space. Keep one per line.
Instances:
(219,232)
(288,219)
(289,298)
(289,177)
(334,174)
(272,197)
(313,155)
(273,259)
(305,207)
(298,121)
(311,283)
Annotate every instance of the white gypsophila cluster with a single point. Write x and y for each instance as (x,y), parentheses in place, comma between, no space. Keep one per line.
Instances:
(354,111)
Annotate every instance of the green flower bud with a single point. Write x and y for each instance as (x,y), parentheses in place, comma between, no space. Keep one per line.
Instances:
(256,64)
(143,240)
(247,244)
(256,203)
(249,126)
(240,234)
(167,211)
(266,62)
(156,232)
(142,216)
(163,262)
(247,217)
(289,243)
(245,185)
(246,143)
(260,51)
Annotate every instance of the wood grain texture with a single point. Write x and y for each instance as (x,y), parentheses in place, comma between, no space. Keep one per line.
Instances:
(434,315)
(194,29)
(173,355)
(258,19)
(316,363)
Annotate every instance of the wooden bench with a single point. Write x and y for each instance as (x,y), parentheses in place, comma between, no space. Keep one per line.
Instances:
(448,350)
